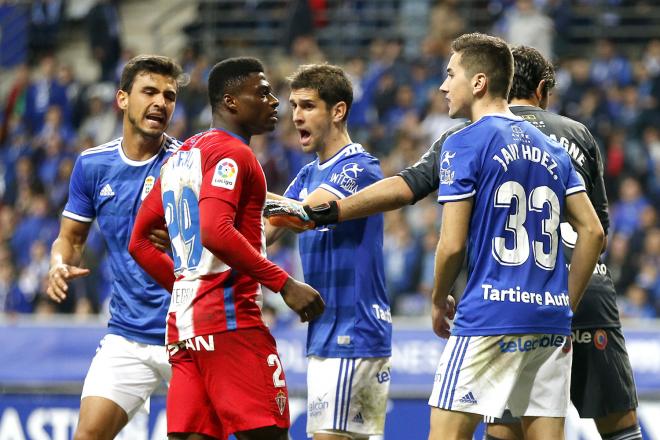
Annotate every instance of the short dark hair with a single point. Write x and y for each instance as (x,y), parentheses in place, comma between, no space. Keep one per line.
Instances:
(329,81)
(159,64)
(481,53)
(530,69)
(228,74)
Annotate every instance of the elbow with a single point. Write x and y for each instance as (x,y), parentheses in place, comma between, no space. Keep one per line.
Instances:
(600,237)
(403,195)
(452,250)
(211,237)
(596,235)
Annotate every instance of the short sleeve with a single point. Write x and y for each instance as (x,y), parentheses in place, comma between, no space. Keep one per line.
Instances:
(80,205)
(226,175)
(574,182)
(351,174)
(296,186)
(458,170)
(598,194)
(423,176)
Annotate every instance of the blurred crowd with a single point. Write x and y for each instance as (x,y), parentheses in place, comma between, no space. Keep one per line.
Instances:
(48,116)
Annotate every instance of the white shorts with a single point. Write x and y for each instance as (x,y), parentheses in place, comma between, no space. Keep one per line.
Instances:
(126,372)
(528,374)
(347,396)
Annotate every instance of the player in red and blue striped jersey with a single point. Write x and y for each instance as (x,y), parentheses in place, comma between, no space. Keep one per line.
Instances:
(226,373)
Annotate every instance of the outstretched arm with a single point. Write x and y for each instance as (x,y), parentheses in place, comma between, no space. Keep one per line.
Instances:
(384,195)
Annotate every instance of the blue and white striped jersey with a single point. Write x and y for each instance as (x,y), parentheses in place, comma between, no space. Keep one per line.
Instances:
(345,262)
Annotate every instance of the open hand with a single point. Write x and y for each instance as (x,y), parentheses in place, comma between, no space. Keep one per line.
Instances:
(58,278)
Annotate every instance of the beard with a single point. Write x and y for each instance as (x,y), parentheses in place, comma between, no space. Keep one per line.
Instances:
(135,123)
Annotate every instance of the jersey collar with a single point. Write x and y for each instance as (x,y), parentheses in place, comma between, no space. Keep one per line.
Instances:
(346,150)
(139,163)
(232,134)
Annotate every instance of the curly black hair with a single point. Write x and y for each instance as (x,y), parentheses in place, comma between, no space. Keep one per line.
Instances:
(530,68)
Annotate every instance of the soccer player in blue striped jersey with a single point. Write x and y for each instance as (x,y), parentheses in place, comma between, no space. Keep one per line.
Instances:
(505,187)
(108,183)
(349,345)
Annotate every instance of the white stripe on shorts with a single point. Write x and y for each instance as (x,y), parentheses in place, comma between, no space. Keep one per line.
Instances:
(342,403)
(452,371)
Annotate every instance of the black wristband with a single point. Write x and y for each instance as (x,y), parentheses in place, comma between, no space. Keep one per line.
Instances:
(325,214)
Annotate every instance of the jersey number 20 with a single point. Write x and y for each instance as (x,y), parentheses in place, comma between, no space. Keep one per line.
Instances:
(519,253)
(183,226)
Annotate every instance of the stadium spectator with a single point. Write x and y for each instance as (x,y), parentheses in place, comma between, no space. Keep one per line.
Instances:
(45,21)
(636,304)
(100,122)
(525,24)
(626,212)
(42,93)
(608,67)
(37,224)
(104,31)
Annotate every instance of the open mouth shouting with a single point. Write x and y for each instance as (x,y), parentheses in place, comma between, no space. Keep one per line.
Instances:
(305,137)
(155,119)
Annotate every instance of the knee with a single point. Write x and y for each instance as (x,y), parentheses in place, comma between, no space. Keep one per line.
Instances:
(94,432)
(87,434)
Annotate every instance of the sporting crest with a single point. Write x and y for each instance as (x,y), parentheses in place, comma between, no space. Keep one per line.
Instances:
(280,399)
(446,172)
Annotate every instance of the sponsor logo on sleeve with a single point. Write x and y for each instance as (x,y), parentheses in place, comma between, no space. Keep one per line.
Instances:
(446,172)
(225,174)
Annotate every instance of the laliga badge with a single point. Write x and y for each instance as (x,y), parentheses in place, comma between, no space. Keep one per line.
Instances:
(225,174)
(148,186)
(280,399)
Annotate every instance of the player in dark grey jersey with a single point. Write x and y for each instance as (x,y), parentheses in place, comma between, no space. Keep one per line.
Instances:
(602,385)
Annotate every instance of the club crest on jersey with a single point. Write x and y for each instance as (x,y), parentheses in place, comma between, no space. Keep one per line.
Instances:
(148,186)
(280,399)
(446,173)
(225,174)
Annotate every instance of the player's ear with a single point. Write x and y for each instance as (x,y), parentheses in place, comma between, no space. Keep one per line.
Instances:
(339,111)
(230,102)
(479,83)
(122,99)
(541,91)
